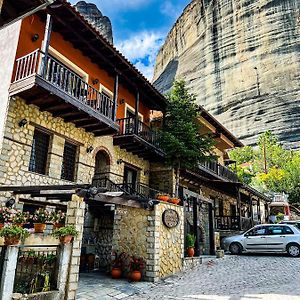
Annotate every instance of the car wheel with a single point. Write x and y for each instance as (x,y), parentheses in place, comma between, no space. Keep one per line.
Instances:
(235,248)
(293,250)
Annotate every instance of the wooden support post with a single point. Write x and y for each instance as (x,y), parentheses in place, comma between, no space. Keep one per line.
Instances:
(137,104)
(239,207)
(116,93)
(195,225)
(46,43)
(251,211)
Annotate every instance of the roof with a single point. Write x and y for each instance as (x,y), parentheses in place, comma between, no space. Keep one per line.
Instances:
(84,36)
(15,10)
(220,128)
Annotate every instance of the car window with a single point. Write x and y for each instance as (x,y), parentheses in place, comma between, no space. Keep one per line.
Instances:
(287,230)
(276,230)
(257,231)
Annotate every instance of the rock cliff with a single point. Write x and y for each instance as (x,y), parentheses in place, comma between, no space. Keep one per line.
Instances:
(91,12)
(241,58)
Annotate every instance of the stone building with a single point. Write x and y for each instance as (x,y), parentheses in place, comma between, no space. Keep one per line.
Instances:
(75,113)
(216,203)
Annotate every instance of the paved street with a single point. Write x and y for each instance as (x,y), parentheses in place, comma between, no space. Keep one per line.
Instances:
(247,277)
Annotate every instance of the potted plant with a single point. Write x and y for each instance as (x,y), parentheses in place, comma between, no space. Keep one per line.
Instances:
(13,234)
(190,242)
(175,201)
(40,218)
(20,218)
(58,219)
(5,214)
(117,264)
(137,264)
(163,197)
(66,234)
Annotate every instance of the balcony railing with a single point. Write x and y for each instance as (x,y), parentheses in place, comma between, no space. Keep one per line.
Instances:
(227,223)
(138,189)
(61,77)
(219,170)
(128,127)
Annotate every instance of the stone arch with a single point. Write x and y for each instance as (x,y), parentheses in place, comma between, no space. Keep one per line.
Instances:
(103,162)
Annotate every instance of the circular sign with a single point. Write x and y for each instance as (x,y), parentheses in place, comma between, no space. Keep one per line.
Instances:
(170,218)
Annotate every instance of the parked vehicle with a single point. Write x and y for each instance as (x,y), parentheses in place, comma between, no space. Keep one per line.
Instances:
(266,238)
(295,223)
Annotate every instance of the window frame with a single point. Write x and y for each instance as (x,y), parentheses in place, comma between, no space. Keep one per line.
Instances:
(74,171)
(46,155)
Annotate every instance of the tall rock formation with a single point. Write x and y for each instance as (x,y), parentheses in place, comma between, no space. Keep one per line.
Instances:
(91,12)
(241,58)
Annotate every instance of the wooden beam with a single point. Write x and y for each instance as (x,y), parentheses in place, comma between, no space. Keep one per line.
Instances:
(118,201)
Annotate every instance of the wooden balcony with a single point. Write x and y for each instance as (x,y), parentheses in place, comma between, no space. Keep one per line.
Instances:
(218,171)
(138,139)
(45,82)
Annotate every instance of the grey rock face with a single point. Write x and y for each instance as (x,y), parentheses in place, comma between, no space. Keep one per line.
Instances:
(241,59)
(91,12)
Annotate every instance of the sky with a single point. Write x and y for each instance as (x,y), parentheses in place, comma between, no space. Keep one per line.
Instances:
(140,27)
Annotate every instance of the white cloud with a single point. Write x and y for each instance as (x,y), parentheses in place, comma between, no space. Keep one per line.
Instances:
(141,49)
(171,10)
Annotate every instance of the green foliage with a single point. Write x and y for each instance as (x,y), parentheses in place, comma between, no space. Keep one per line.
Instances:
(66,230)
(14,231)
(181,139)
(190,240)
(269,167)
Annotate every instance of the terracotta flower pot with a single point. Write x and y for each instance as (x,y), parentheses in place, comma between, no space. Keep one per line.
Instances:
(191,251)
(67,239)
(57,225)
(1,225)
(39,227)
(9,241)
(174,201)
(19,225)
(116,273)
(163,198)
(136,276)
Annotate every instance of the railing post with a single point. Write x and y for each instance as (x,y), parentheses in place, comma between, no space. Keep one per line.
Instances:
(137,104)
(8,272)
(116,94)
(46,42)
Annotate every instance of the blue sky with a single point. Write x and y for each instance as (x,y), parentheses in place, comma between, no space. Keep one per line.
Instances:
(140,27)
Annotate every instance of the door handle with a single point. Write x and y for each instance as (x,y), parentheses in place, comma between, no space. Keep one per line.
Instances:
(283,236)
(262,237)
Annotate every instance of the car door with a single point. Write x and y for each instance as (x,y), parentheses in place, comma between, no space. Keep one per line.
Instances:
(255,239)
(278,238)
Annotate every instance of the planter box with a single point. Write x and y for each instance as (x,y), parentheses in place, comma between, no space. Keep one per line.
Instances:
(53,295)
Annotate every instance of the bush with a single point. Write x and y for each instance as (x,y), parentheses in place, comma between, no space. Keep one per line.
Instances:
(190,240)
(14,231)
(66,230)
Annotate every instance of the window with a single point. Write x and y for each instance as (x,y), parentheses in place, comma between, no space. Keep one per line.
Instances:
(39,152)
(279,230)
(69,161)
(257,231)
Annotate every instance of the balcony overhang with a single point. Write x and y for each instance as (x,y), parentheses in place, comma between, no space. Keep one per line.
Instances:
(38,91)
(12,11)
(138,146)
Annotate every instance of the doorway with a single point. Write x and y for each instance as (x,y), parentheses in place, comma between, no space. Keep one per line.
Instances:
(130,179)
(102,168)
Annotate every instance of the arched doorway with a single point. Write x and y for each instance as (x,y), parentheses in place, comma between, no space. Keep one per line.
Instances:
(102,167)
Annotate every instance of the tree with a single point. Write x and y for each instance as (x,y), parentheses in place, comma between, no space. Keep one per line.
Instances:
(269,167)
(181,139)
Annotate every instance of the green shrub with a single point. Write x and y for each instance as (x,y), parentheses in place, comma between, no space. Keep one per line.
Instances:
(66,230)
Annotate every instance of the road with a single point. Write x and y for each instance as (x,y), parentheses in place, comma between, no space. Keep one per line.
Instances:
(246,277)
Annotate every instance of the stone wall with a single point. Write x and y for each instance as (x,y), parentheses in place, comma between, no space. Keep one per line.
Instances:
(162,178)
(171,241)
(115,153)
(9,37)
(142,233)
(17,145)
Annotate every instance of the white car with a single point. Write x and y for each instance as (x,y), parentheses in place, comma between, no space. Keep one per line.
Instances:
(266,238)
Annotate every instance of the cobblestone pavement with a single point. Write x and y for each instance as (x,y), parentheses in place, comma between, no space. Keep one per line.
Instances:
(97,286)
(247,277)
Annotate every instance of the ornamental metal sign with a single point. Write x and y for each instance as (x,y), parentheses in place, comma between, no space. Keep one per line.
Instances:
(170,218)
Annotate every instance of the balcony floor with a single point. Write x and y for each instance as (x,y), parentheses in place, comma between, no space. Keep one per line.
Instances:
(138,146)
(35,90)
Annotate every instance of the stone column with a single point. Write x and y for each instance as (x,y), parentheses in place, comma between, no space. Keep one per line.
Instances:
(75,216)
(8,272)
(64,260)
(56,156)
